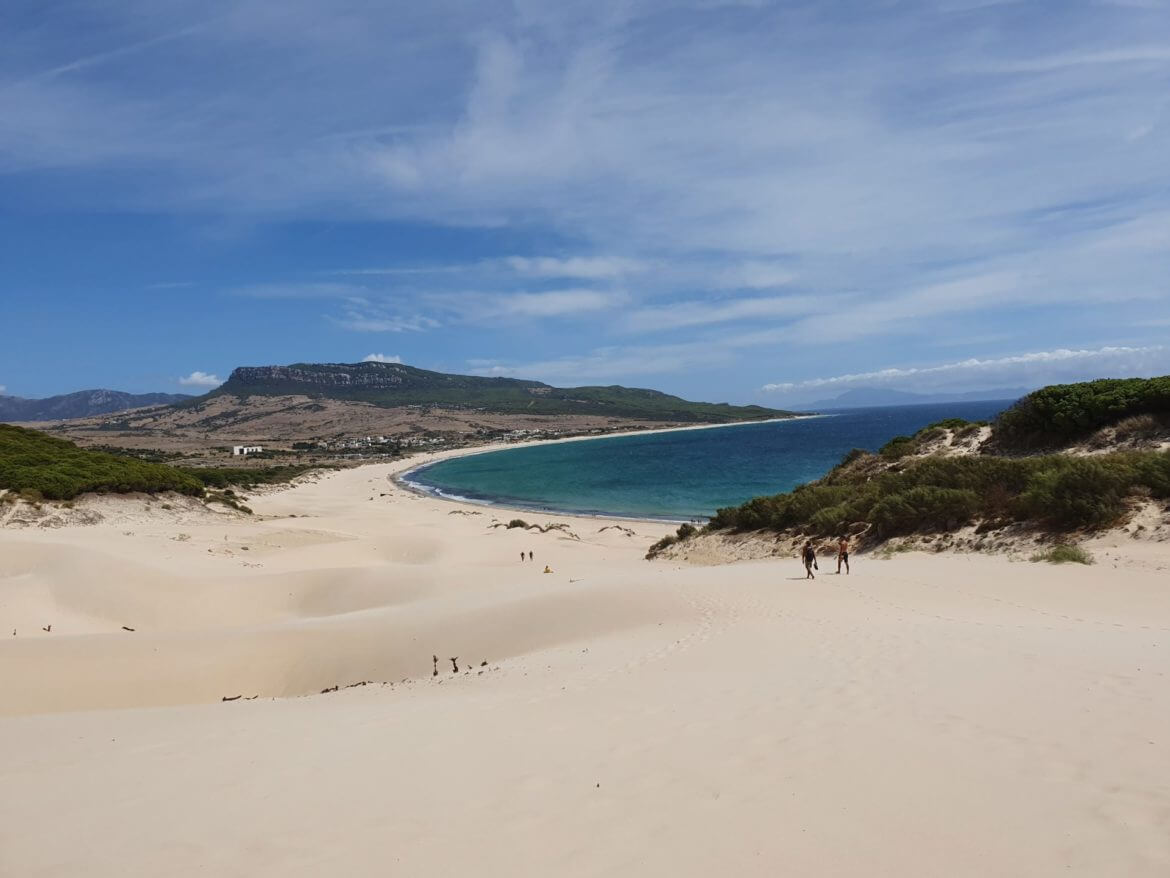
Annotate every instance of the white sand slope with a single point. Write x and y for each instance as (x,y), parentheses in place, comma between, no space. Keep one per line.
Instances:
(941,715)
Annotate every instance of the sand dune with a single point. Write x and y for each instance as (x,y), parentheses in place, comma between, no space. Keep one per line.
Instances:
(953,715)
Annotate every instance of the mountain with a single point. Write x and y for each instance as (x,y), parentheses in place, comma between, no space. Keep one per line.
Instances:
(864,397)
(391,385)
(81,404)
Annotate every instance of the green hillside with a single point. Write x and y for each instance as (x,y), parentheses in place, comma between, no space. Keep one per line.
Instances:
(395,384)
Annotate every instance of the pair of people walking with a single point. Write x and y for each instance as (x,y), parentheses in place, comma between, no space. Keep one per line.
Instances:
(522,556)
(809,556)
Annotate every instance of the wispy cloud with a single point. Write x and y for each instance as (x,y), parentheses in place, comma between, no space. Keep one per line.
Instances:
(302,290)
(587,267)
(613,363)
(381,358)
(201,379)
(739,182)
(714,311)
(1033,368)
(376,320)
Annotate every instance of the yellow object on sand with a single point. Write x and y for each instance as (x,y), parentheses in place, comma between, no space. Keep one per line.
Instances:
(547,569)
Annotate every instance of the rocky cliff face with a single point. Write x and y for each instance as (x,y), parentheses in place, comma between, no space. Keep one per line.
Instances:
(80,405)
(372,375)
(328,377)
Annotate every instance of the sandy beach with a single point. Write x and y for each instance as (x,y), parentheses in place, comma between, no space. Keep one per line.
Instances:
(958,715)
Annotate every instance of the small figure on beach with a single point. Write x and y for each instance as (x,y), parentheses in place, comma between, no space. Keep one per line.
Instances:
(547,569)
(521,556)
(843,554)
(809,554)
(530,555)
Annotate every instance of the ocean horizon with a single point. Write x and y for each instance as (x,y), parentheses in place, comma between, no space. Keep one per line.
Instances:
(681,474)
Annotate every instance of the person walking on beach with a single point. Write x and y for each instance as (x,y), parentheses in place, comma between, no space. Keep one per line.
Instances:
(521,556)
(843,554)
(809,555)
(529,554)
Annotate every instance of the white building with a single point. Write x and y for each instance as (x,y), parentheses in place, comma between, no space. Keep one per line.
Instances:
(238,450)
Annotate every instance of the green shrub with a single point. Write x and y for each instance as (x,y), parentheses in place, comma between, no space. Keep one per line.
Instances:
(924,508)
(1063,413)
(59,470)
(517,522)
(1078,492)
(898,447)
(1064,554)
(656,548)
(940,493)
(226,477)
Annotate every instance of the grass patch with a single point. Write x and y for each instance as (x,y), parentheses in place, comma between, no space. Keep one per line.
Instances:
(1064,554)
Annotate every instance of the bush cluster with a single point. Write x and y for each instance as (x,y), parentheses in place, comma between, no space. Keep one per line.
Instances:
(225,477)
(1064,554)
(1063,413)
(31,461)
(943,493)
(685,531)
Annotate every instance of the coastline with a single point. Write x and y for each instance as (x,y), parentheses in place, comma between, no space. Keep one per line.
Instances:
(402,478)
(360,675)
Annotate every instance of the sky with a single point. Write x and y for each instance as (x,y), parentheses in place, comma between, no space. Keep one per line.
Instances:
(745,201)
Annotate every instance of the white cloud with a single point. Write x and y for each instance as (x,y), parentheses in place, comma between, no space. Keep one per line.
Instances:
(705,313)
(576,267)
(480,307)
(613,363)
(201,379)
(299,290)
(381,358)
(366,318)
(2,388)
(1039,367)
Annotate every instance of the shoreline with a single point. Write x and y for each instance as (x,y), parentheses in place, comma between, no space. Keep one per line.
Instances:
(299,668)
(401,478)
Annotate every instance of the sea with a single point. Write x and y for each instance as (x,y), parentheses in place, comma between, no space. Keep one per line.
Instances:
(679,475)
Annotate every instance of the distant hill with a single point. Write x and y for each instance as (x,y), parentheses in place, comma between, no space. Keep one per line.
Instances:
(865,397)
(81,404)
(395,384)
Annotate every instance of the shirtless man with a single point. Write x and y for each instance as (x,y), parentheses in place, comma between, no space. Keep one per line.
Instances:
(843,554)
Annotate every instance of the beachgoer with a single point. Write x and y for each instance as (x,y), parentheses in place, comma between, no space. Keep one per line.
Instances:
(521,556)
(547,569)
(843,554)
(809,555)
(530,556)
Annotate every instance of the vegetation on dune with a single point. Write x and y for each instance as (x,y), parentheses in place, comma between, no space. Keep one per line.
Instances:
(225,477)
(1064,554)
(31,461)
(944,493)
(1064,413)
(904,489)
(685,532)
(36,466)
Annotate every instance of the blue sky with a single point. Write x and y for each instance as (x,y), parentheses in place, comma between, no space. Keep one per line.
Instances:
(749,201)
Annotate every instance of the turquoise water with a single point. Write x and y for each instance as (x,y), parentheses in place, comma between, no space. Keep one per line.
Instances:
(679,475)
